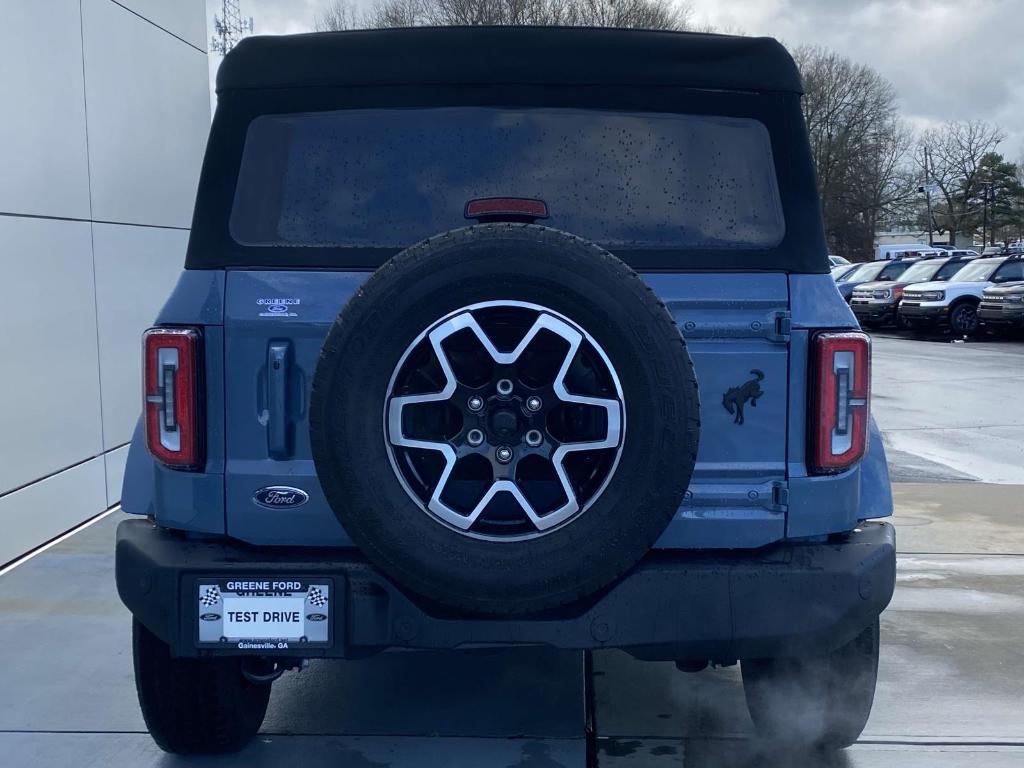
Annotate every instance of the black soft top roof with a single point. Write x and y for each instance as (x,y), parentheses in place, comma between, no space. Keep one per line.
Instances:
(521,55)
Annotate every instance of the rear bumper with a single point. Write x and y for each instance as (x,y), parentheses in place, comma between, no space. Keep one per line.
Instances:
(784,599)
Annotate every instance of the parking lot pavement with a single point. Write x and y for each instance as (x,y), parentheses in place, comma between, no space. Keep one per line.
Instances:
(950,411)
(950,684)
(67,697)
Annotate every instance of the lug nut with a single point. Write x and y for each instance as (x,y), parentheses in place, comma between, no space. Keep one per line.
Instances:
(474,437)
(534,438)
(503,454)
(534,403)
(504,387)
(475,403)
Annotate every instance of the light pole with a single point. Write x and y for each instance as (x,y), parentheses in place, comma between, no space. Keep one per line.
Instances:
(984,216)
(928,196)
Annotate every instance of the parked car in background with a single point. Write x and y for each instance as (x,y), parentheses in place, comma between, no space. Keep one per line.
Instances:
(992,250)
(876,303)
(843,269)
(1002,307)
(871,271)
(837,260)
(955,303)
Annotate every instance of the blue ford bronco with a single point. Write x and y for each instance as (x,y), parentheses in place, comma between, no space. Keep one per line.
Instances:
(506,336)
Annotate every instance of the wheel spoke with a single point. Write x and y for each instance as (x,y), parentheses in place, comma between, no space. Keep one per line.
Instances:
(498,486)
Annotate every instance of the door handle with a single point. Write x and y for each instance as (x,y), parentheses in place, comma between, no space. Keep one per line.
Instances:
(278,365)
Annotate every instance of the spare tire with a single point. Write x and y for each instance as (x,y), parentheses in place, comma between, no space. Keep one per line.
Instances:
(504,418)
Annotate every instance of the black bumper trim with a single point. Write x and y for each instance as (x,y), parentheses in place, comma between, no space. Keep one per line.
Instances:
(874,312)
(916,312)
(1001,316)
(788,598)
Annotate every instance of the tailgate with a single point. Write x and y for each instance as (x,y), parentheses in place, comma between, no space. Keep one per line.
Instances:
(737,326)
(737,329)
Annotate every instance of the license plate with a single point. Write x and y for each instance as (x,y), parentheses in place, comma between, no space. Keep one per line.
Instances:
(256,613)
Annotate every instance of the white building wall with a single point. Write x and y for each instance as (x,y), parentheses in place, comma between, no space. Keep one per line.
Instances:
(106,112)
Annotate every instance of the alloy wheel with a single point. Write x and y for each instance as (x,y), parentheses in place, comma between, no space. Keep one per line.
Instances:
(504,420)
(965,319)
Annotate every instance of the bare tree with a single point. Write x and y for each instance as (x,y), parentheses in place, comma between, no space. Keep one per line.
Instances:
(957,152)
(339,15)
(882,182)
(859,146)
(398,13)
(641,14)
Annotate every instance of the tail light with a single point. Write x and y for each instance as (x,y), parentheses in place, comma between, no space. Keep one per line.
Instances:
(842,393)
(173,429)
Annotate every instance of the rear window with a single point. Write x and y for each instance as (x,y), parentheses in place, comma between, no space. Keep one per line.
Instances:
(387,178)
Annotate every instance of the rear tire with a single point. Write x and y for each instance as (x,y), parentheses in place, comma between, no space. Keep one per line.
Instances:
(195,706)
(816,701)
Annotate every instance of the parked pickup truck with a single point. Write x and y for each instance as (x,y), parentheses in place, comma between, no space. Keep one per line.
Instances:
(477,349)
(954,304)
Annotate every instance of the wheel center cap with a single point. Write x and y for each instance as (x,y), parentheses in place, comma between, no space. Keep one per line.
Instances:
(504,423)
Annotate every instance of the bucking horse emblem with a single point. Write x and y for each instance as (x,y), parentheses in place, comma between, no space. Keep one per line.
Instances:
(736,397)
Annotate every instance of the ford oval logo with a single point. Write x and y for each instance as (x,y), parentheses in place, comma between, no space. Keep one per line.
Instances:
(280,497)
(210,616)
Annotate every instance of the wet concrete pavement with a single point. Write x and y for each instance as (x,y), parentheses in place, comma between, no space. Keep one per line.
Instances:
(950,411)
(951,676)
(951,686)
(67,696)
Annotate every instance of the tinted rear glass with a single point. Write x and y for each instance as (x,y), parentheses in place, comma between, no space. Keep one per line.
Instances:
(389,178)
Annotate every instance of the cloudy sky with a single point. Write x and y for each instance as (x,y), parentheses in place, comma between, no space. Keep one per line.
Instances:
(949,59)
